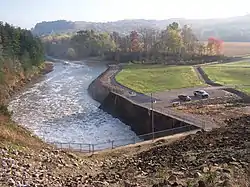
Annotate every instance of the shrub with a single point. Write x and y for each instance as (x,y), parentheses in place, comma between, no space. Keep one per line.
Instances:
(4,111)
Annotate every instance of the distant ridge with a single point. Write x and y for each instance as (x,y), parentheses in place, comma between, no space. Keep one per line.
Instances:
(227,29)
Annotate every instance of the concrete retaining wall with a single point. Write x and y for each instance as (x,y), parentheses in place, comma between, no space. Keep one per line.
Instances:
(138,117)
(132,114)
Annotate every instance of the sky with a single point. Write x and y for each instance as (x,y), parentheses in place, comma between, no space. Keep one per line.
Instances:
(26,13)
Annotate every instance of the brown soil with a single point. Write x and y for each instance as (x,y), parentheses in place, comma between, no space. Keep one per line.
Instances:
(217,110)
(217,158)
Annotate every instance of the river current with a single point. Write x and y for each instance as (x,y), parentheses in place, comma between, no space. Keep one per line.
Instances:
(59,109)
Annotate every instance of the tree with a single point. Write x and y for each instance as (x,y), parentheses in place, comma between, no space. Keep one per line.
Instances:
(134,39)
(190,41)
(19,48)
(215,46)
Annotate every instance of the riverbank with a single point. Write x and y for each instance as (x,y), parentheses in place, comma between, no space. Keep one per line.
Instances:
(16,82)
(10,131)
(216,158)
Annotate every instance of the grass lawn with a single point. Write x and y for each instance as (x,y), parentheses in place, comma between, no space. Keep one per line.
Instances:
(228,75)
(234,64)
(154,78)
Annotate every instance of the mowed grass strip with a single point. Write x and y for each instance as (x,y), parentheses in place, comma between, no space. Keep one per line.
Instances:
(228,75)
(155,78)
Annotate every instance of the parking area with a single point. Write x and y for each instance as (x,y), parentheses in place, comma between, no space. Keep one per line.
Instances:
(168,97)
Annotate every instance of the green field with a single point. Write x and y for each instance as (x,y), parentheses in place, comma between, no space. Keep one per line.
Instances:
(154,78)
(235,64)
(228,75)
(233,75)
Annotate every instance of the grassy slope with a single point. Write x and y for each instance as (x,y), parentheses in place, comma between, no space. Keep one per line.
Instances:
(235,64)
(153,78)
(13,134)
(234,73)
(228,75)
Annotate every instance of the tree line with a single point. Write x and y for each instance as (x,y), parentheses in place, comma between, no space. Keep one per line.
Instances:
(19,49)
(145,44)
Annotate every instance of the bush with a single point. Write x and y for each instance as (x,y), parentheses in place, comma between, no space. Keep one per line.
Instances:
(4,111)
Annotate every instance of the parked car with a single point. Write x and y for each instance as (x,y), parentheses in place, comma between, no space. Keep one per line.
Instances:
(184,97)
(132,94)
(176,103)
(201,93)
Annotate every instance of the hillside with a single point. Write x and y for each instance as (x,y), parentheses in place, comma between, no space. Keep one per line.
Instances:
(229,29)
(206,159)
(21,58)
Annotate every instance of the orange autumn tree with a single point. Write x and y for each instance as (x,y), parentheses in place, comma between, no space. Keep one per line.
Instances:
(134,39)
(215,46)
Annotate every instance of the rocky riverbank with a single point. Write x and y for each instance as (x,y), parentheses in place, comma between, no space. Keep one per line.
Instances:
(217,158)
(206,159)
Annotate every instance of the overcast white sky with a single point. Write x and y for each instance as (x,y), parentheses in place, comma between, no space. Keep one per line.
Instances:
(26,13)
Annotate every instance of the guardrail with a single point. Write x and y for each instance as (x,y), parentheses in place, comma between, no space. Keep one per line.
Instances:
(91,148)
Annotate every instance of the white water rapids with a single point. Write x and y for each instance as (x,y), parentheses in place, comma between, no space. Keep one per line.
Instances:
(59,109)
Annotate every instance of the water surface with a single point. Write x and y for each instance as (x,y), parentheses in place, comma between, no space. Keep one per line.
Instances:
(59,109)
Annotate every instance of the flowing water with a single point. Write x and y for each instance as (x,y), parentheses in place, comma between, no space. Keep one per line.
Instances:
(59,109)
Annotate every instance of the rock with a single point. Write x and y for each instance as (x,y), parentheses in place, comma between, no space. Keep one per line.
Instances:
(75,164)
(172,178)
(225,176)
(247,144)
(71,155)
(205,169)
(197,174)
(225,170)
(191,158)
(18,174)
(59,165)
(201,184)
(225,165)
(11,182)
(234,159)
(4,164)
(227,183)
(235,163)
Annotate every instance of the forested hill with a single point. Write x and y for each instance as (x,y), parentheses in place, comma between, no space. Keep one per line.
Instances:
(21,55)
(228,29)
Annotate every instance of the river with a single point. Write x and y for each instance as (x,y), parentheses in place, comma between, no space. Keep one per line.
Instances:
(59,109)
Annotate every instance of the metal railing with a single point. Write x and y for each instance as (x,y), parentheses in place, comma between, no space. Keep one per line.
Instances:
(91,148)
